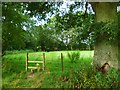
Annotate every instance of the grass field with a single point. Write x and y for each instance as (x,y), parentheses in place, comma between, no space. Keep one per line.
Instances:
(78,74)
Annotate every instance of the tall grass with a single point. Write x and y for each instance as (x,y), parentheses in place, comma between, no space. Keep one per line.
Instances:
(76,75)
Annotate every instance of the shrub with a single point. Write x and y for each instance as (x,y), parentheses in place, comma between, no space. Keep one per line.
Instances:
(73,56)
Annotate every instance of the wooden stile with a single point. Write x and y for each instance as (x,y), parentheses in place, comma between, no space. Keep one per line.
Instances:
(37,62)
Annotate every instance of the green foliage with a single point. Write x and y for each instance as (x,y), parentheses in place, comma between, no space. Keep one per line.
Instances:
(89,77)
(69,30)
(40,9)
(105,29)
(50,36)
(75,28)
(108,80)
(73,56)
(14,19)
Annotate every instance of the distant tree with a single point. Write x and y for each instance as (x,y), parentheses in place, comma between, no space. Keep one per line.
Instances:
(13,21)
(75,28)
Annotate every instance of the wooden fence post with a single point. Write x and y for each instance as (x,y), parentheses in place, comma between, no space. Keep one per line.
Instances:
(43,61)
(27,61)
(62,62)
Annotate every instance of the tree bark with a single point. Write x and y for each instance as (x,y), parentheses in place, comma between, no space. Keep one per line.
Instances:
(105,52)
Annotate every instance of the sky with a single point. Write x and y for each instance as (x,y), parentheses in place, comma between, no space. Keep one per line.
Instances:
(118,8)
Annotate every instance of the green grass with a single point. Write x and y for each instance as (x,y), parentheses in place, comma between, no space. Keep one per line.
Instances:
(79,74)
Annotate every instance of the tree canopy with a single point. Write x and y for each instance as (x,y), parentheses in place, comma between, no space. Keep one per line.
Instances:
(71,28)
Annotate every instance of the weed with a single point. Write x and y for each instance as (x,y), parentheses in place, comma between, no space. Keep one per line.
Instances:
(73,56)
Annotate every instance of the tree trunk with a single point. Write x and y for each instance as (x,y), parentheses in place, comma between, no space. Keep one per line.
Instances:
(105,52)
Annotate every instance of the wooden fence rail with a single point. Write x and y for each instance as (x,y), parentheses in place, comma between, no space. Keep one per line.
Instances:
(35,62)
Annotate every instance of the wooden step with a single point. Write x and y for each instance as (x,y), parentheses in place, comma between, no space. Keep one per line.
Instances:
(35,61)
(32,67)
